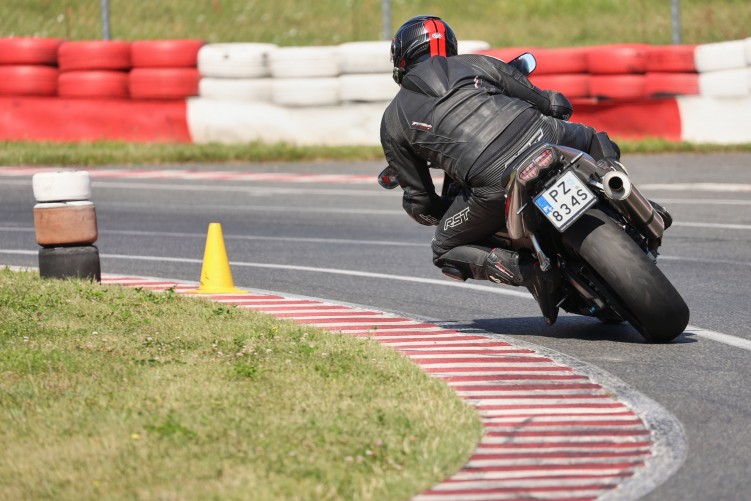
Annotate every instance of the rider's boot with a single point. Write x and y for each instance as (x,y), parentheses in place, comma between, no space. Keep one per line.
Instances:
(520,269)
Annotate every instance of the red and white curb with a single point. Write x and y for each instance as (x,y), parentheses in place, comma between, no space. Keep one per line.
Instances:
(202,175)
(554,427)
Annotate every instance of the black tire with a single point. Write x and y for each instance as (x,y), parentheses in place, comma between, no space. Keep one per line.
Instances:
(70,262)
(642,293)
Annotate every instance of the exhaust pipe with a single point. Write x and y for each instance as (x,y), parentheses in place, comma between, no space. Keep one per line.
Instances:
(624,195)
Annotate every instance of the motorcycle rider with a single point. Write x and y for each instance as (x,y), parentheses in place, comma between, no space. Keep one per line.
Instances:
(471,115)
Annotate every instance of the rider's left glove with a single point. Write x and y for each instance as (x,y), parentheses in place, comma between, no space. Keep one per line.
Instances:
(560,106)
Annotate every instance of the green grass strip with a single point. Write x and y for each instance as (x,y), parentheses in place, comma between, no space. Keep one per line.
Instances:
(106,153)
(118,393)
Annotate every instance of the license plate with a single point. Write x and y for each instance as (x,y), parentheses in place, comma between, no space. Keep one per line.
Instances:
(565,200)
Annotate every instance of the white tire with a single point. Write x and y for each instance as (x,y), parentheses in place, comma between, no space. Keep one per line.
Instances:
(305,91)
(61,186)
(726,83)
(304,62)
(367,88)
(365,57)
(720,56)
(236,89)
(235,60)
(472,46)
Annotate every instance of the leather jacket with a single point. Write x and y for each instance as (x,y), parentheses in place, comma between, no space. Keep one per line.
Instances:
(446,113)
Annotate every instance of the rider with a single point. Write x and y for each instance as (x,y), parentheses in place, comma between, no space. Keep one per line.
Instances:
(470,115)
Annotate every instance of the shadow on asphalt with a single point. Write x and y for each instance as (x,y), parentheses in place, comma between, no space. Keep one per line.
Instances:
(567,327)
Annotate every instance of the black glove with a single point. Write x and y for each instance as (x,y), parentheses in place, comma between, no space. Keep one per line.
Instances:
(560,107)
(388,178)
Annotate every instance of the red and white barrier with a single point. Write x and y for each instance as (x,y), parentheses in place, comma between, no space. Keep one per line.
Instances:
(188,91)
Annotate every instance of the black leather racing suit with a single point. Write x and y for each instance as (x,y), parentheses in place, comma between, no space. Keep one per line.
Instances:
(470,116)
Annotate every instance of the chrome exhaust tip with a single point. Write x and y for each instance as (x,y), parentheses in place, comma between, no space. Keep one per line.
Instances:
(618,188)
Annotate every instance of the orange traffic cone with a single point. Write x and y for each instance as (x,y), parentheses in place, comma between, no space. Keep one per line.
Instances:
(216,277)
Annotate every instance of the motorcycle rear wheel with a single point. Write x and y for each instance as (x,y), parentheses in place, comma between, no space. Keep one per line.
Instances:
(639,290)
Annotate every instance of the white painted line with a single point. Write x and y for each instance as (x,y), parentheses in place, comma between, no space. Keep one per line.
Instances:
(719,337)
(703,201)
(715,187)
(714,225)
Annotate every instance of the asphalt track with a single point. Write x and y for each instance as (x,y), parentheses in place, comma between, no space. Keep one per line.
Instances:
(343,239)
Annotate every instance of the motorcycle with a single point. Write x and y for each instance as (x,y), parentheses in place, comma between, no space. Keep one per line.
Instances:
(593,234)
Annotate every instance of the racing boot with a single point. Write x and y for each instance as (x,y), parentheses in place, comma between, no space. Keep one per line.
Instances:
(520,269)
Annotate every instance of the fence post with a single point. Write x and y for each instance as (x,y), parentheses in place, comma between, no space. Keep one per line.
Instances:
(386,13)
(106,19)
(675,11)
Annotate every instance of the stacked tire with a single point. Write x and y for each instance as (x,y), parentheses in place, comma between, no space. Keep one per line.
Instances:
(235,71)
(164,69)
(724,69)
(366,72)
(28,66)
(94,69)
(305,76)
(65,225)
(618,72)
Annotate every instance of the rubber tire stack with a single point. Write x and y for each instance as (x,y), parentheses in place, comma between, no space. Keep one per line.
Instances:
(235,71)
(94,69)
(164,69)
(304,76)
(65,225)
(28,66)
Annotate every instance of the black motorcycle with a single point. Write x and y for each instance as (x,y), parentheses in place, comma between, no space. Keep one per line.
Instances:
(593,233)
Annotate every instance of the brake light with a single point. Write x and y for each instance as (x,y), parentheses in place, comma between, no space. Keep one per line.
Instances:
(541,161)
(545,158)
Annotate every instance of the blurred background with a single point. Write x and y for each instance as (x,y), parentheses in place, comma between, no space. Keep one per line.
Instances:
(502,23)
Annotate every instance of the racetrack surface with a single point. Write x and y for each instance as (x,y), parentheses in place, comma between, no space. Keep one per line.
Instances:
(350,242)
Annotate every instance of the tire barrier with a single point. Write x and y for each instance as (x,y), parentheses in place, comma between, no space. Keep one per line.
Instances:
(366,88)
(94,55)
(164,69)
(94,69)
(28,80)
(236,89)
(165,53)
(305,91)
(98,84)
(65,225)
(234,60)
(317,79)
(163,83)
(617,59)
(29,50)
(304,62)
(659,85)
(671,59)
(572,85)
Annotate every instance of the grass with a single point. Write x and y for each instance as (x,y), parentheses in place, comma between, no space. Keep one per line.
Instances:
(543,23)
(122,153)
(117,393)
(130,154)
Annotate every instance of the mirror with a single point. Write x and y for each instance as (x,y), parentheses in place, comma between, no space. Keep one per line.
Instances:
(526,63)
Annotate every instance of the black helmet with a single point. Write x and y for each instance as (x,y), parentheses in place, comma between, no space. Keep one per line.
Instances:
(418,39)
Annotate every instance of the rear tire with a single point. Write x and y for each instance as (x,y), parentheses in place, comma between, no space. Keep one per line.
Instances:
(643,295)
